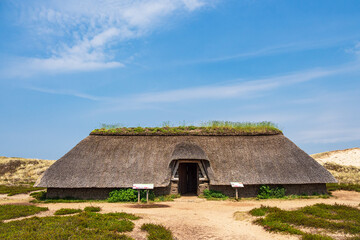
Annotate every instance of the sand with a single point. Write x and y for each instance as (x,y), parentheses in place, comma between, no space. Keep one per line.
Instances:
(195,218)
(347,157)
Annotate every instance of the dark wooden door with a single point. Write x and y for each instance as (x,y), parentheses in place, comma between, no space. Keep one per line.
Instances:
(188,178)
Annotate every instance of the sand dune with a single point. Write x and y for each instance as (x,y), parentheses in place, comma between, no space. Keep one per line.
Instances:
(346,157)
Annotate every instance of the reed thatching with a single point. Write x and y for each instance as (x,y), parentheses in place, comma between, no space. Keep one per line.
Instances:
(121,161)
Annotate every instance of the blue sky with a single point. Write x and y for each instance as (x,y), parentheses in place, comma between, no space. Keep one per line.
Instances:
(68,66)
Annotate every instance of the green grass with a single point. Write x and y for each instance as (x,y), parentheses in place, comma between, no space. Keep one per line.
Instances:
(336,218)
(13,190)
(205,128)
(16,211)
(85,225)
(92,209)
(166,198)
(214,195)
(40,197)
(343,186)
(65,211)
(157,232)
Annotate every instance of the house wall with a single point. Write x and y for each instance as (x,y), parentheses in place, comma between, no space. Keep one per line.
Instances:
(247,191)
(291,189)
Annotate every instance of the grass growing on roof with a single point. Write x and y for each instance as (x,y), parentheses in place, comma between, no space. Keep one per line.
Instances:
(337,219)
(205,128)
(157,232)
(85,225)
(16,211)
(65,211)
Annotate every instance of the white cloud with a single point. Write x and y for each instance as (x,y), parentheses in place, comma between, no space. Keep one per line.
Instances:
(242,89)
(66,92)
(82,32)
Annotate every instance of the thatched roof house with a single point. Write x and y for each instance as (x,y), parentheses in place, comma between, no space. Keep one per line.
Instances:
(183,162)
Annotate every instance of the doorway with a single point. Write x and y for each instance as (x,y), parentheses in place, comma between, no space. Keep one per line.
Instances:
(188,178)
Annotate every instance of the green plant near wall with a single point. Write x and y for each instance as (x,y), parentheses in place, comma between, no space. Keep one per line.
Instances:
(209,194)
(129,195)
(266,192)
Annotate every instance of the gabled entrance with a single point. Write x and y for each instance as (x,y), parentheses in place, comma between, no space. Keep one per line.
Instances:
(188,178)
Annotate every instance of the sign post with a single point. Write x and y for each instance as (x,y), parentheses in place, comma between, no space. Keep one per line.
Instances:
(236,185)
(139,187)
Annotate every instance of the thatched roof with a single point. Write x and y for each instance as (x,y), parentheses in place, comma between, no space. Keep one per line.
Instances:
(120,161)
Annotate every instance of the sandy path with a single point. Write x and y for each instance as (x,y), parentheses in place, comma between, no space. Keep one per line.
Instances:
(194,218)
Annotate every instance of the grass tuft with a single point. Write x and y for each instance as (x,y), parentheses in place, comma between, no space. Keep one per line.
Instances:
(65,211)
(157,232)
(92,209)
(16,211)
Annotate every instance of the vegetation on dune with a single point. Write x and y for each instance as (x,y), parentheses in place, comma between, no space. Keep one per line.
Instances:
(66,211)
(21,170)
(343,186)
(16,211)
(311,221)
(348,177)
(85,225)
(157,232)
(205,128)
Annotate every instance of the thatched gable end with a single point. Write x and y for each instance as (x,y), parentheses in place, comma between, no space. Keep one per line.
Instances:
(120,161)
(186,150)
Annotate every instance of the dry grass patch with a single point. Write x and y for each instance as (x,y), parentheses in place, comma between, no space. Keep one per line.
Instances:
(14,171)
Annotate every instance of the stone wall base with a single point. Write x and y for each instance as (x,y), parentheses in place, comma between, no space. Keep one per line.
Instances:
(290,189)
(247,191)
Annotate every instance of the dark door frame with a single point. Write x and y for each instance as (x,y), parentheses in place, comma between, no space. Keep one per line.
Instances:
(188,178)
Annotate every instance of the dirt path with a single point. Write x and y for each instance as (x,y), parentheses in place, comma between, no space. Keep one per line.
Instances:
(194,218)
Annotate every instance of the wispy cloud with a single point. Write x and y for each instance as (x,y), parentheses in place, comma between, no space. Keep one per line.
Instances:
(272,50)
(82,32)
(240,89)
(67,92)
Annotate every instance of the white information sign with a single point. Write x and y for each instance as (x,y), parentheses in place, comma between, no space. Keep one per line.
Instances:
(143,186)
(236,184)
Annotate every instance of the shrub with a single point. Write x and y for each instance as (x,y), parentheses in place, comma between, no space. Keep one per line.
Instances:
(214,194)
(339,219)
(39,195)
(129,195)
(65,211)
(261,211)
(92,209)
(157,232)
(266,192)
(15,211)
